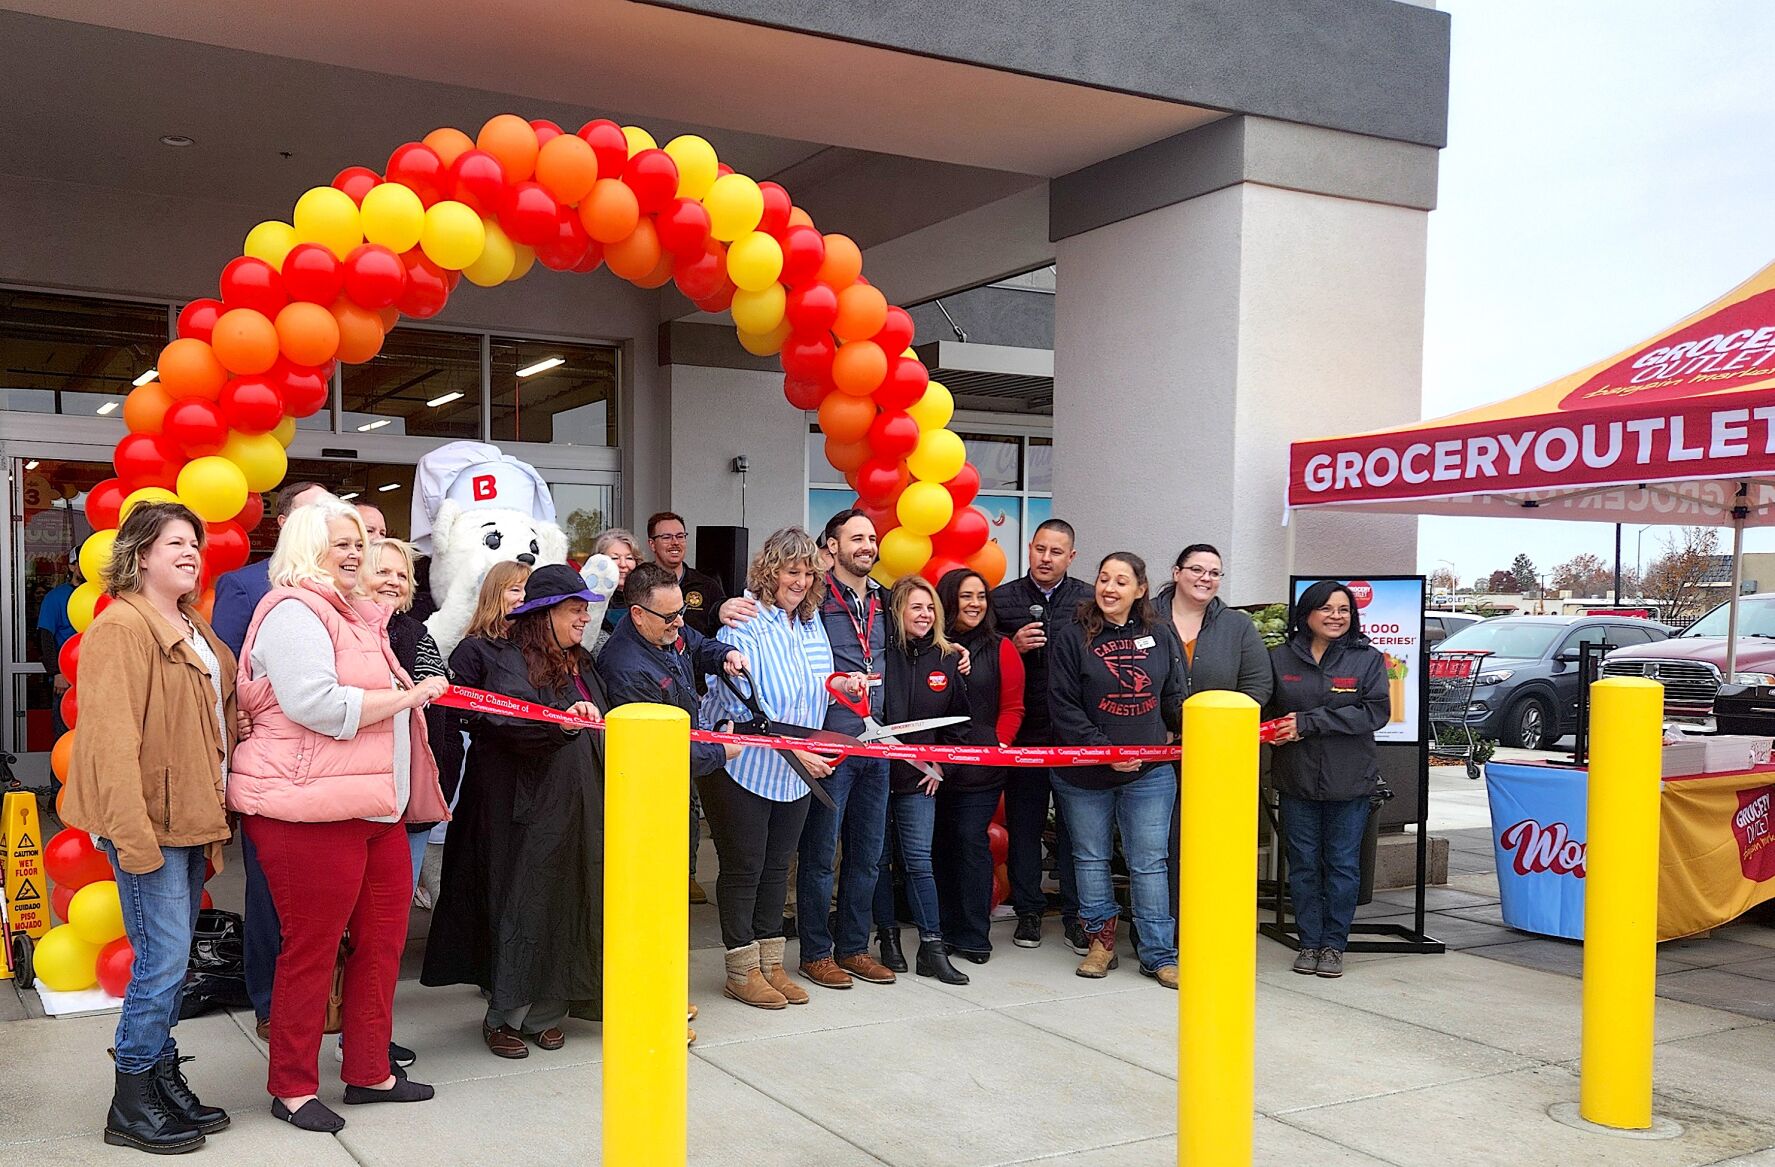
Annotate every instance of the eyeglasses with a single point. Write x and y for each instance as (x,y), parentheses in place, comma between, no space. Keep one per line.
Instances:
(1203,572)
(680,537)
(669,619)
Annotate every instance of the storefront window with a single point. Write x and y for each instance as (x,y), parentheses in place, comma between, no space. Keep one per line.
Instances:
(423,383)
(551,392)
(66,354)
(583,511)
(51,508)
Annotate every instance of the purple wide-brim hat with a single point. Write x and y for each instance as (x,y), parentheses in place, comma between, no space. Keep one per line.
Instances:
(550,585)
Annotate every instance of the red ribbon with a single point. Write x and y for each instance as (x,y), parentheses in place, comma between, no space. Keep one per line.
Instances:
(482,701)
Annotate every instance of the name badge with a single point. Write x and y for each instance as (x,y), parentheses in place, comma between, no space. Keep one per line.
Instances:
(1144,642)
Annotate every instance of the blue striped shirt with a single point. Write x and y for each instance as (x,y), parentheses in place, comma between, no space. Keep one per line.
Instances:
(791,660)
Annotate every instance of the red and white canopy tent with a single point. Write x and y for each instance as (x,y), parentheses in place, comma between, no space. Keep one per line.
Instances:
(1679,429)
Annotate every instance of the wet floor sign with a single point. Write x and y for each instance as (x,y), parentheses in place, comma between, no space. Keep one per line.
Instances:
(21,856)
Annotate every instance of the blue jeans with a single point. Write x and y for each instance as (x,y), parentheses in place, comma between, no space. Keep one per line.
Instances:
(262,935)
(416,841)
(1142,809)
(859,787)
(912,820)
(159,916)
(1324,841)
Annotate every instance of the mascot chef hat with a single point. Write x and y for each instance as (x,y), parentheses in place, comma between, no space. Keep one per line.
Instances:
(471,475)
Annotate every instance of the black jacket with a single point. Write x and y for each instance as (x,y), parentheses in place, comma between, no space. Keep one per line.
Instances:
(919,681)
(634,670)
(1011,604)
(987,710)
(443,727)
(1229,651)
(703,598)
(1338,702)
(1125,687)
(847,628)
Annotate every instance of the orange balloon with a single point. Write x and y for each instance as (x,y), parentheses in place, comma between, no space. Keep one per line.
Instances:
(610,212)
(800,218)
(862,310)
(360,331)
(245,342)
(660,276)
(307,333)
(989,561)
(189,368)
(859,367)
(59,795)
(390,316)
(844,418)
(635,257)
(206,604)
(61,754)
(512,140)
(145,406)
(567,168)
(847,456)
(448,143)
(843,262)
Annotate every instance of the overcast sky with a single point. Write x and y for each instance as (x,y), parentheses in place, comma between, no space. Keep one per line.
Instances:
(1610,169)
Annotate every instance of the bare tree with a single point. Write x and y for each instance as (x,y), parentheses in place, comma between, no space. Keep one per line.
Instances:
(1443,580)
(1675,578)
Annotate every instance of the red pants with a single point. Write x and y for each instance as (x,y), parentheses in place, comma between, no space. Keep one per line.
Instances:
(324,877)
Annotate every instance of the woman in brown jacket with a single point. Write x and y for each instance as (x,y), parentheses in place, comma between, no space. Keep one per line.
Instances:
(147,778)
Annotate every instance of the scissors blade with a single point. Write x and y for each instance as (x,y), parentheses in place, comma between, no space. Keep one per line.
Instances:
(873,730)
(807,779)
(878,732)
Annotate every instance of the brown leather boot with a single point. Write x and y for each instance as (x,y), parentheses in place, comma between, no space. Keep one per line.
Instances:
(866,968)
(1100,957)
(770,963)
(746,984)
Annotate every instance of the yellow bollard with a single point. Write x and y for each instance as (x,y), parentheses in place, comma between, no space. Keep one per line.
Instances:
(646,856)
(1217,937)
(1621,903)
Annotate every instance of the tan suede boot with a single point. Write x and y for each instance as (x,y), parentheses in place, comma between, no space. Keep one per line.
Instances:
(770,963)
(746,984)
(1100,957)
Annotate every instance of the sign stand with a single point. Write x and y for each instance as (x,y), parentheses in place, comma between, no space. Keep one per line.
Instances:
(24,913)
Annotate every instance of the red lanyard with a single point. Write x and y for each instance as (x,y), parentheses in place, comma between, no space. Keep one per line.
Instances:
(865,631)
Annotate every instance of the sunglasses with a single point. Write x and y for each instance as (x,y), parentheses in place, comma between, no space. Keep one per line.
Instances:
(673,618)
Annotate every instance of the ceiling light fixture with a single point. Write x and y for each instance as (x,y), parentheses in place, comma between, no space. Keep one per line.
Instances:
(348,497)
(108,407)
(542,366)
(373,425)
(150,375)
(32,464)
(444,400)
(388,486)
(178,141)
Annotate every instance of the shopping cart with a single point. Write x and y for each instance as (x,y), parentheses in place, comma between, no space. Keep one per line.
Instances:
(1453,676)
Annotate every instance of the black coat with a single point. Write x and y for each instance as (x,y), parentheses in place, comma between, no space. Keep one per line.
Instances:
(443,726)
(521,911)
(1011,604)
(1229,651)
(985,708)
(919,682)
(1338,703)
(1123,687)
(634,670)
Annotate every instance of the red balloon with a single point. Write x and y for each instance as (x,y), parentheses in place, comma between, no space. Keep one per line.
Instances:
(311,272)
(477,179)
(777,206)
(966,533)
(116,959)
(197,319)
(592,259)
(204,901)
(225,547)
(653,176)
(808,358)
(545,130)
(73,862)
(896,335)
(304,388)
(356,181)
(253,283)
(998,841)
(721,301)
(893,436)
(531,215)
(417,167)
(804,250)
(938,566)
(683,226)
(209,865)
(70,708)
(68,658)
(103,502)
(880,480)
(427,289)
(252,513)
(609,145)
(703,275)
(196,424)
(1001,887)
(59,899)
(884,517)
(964,486)
(811,309)
(252,405)
(904,384)
(805,394)
(99,608)
(568,245)
(375,277)
(148,460)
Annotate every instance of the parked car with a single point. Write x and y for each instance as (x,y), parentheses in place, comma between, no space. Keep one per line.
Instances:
(1692,664)
(1528,688)
(1439,626)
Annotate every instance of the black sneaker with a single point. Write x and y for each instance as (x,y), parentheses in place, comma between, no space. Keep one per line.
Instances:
(1029,931)
(400,1055)
(1076,938)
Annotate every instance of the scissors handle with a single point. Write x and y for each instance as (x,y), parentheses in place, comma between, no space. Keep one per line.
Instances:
(857,705)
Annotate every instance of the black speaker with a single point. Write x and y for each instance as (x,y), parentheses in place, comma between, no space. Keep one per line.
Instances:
(722,552)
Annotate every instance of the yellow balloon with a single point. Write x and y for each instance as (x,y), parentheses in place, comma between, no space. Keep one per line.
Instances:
(882,575)
(214,487)
(902,553)
(765,344)
(938,456)
(754,262)
(925,508)
(146,494)
(326,215)
(261,459)
(760,311)
(63,961)
(498,256)
(270,241)
(83,603)
(735,205)
(453,236)
(935,408)
(639,140)
(392,216)
(96,913)
(523,259)
(285,432)
(698,168)
(95,554)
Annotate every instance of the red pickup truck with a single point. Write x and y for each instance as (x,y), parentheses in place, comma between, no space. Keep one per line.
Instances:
(1692,664)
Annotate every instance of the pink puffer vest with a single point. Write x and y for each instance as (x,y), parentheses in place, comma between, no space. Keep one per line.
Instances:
(286,771)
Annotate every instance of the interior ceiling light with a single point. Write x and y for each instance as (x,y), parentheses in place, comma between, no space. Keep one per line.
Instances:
(32,464)
(373,425)
(444,400)
(348,497)
(388,486)
(106,408)
(542,366)
(145,378)
(177,140)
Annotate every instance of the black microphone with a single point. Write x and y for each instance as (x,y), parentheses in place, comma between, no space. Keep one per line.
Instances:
(1040,613)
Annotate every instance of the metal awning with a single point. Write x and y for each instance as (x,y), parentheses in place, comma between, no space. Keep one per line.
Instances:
(993,377)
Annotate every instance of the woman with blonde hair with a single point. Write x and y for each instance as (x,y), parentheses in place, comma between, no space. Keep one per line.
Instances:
(618,543)
(334,767)
(147,778)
